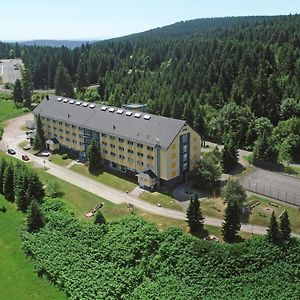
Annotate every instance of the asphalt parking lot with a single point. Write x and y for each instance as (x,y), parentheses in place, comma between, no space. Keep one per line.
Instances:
(8,72)
(274,185)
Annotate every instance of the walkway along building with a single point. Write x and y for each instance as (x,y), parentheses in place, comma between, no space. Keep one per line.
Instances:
(158,149)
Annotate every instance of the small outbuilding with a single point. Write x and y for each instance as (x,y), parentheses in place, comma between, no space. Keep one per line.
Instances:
(52,144)
(147,180)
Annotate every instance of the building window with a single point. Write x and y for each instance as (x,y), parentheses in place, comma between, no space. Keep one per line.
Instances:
(130,143)
(140,163)
(55,135)
(104,151)
(112,146)
(74,134)
(112,138)
(54,122)
(104,143)
(54,128)
(61,137)
(139,145)
(130,151)
(67,125)
(121,156)
(150,157)
(103,135)
(67,139)
(112,153)
(73,126)
(67,132)
(140,154)
(121,148)
(74,142)
(49,126)
(149,148)
(121,140)
(130,160)
(60,130)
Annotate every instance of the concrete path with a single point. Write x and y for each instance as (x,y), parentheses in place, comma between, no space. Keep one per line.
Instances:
(13,135)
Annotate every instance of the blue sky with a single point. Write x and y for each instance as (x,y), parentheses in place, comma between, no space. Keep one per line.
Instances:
(98,19)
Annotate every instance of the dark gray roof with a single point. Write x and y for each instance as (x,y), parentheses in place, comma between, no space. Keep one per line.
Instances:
(151,131)
(150,173)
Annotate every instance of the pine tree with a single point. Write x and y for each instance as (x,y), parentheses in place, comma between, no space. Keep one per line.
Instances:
(94,157)
(81,78)
(18,92)
(35,219)
(8,182)
(63,82)
(285,227)
(194,215)
(273,231)
(199,123)
(99,218)
(35,188)
(3,165)
(231,224)
(229,156)
(39,141)
(20,188)
(101,89)
(27,87)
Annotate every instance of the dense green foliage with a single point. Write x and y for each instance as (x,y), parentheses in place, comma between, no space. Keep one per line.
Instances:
(208,171)
(234,191)
(131,259)
(20,184)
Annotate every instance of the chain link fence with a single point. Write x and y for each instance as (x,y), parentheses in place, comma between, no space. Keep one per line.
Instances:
(271,191)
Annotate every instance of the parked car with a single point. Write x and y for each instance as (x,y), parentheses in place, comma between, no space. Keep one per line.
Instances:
(11,151)
(25,157)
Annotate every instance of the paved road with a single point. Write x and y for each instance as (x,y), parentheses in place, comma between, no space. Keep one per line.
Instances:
(7,71)
(13,135)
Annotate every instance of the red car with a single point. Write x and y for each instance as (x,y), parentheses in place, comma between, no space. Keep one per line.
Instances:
(25,157)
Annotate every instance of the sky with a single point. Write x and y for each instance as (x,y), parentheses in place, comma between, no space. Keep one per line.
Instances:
(98,19)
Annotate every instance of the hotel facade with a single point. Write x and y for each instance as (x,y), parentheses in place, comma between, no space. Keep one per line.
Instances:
(157,149)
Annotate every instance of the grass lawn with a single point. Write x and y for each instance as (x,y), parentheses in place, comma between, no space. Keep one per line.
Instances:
(57,159)
(164,200)
(255,217)
(293,170)
(106,178)
(18,279)
(8,110)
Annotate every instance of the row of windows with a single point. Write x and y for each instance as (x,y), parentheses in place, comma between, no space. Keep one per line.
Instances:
(139,145)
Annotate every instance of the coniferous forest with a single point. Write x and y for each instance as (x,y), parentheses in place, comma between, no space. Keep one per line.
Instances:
(237,76)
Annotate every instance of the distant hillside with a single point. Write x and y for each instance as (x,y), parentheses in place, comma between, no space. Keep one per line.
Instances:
(55,43)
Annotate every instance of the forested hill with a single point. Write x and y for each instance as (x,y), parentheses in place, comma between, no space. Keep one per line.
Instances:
(236,75)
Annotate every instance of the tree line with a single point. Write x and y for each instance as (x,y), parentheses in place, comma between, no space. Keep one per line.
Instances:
(232,79)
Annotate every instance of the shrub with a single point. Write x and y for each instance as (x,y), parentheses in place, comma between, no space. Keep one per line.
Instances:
(65,156)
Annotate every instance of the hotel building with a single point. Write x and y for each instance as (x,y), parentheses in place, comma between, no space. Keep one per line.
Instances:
(157,149)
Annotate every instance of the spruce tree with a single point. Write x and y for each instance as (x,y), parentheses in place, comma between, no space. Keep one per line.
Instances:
(194,215)
(81,77)
(63,82)
(101,89)
(35,219)
(285,227)
(200,123)
(8,182)
(94,157)
(18,92)
(231,224)
(229,154)
(27,87)
(273,231)
(99,218)
(35,188)
(39,140)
